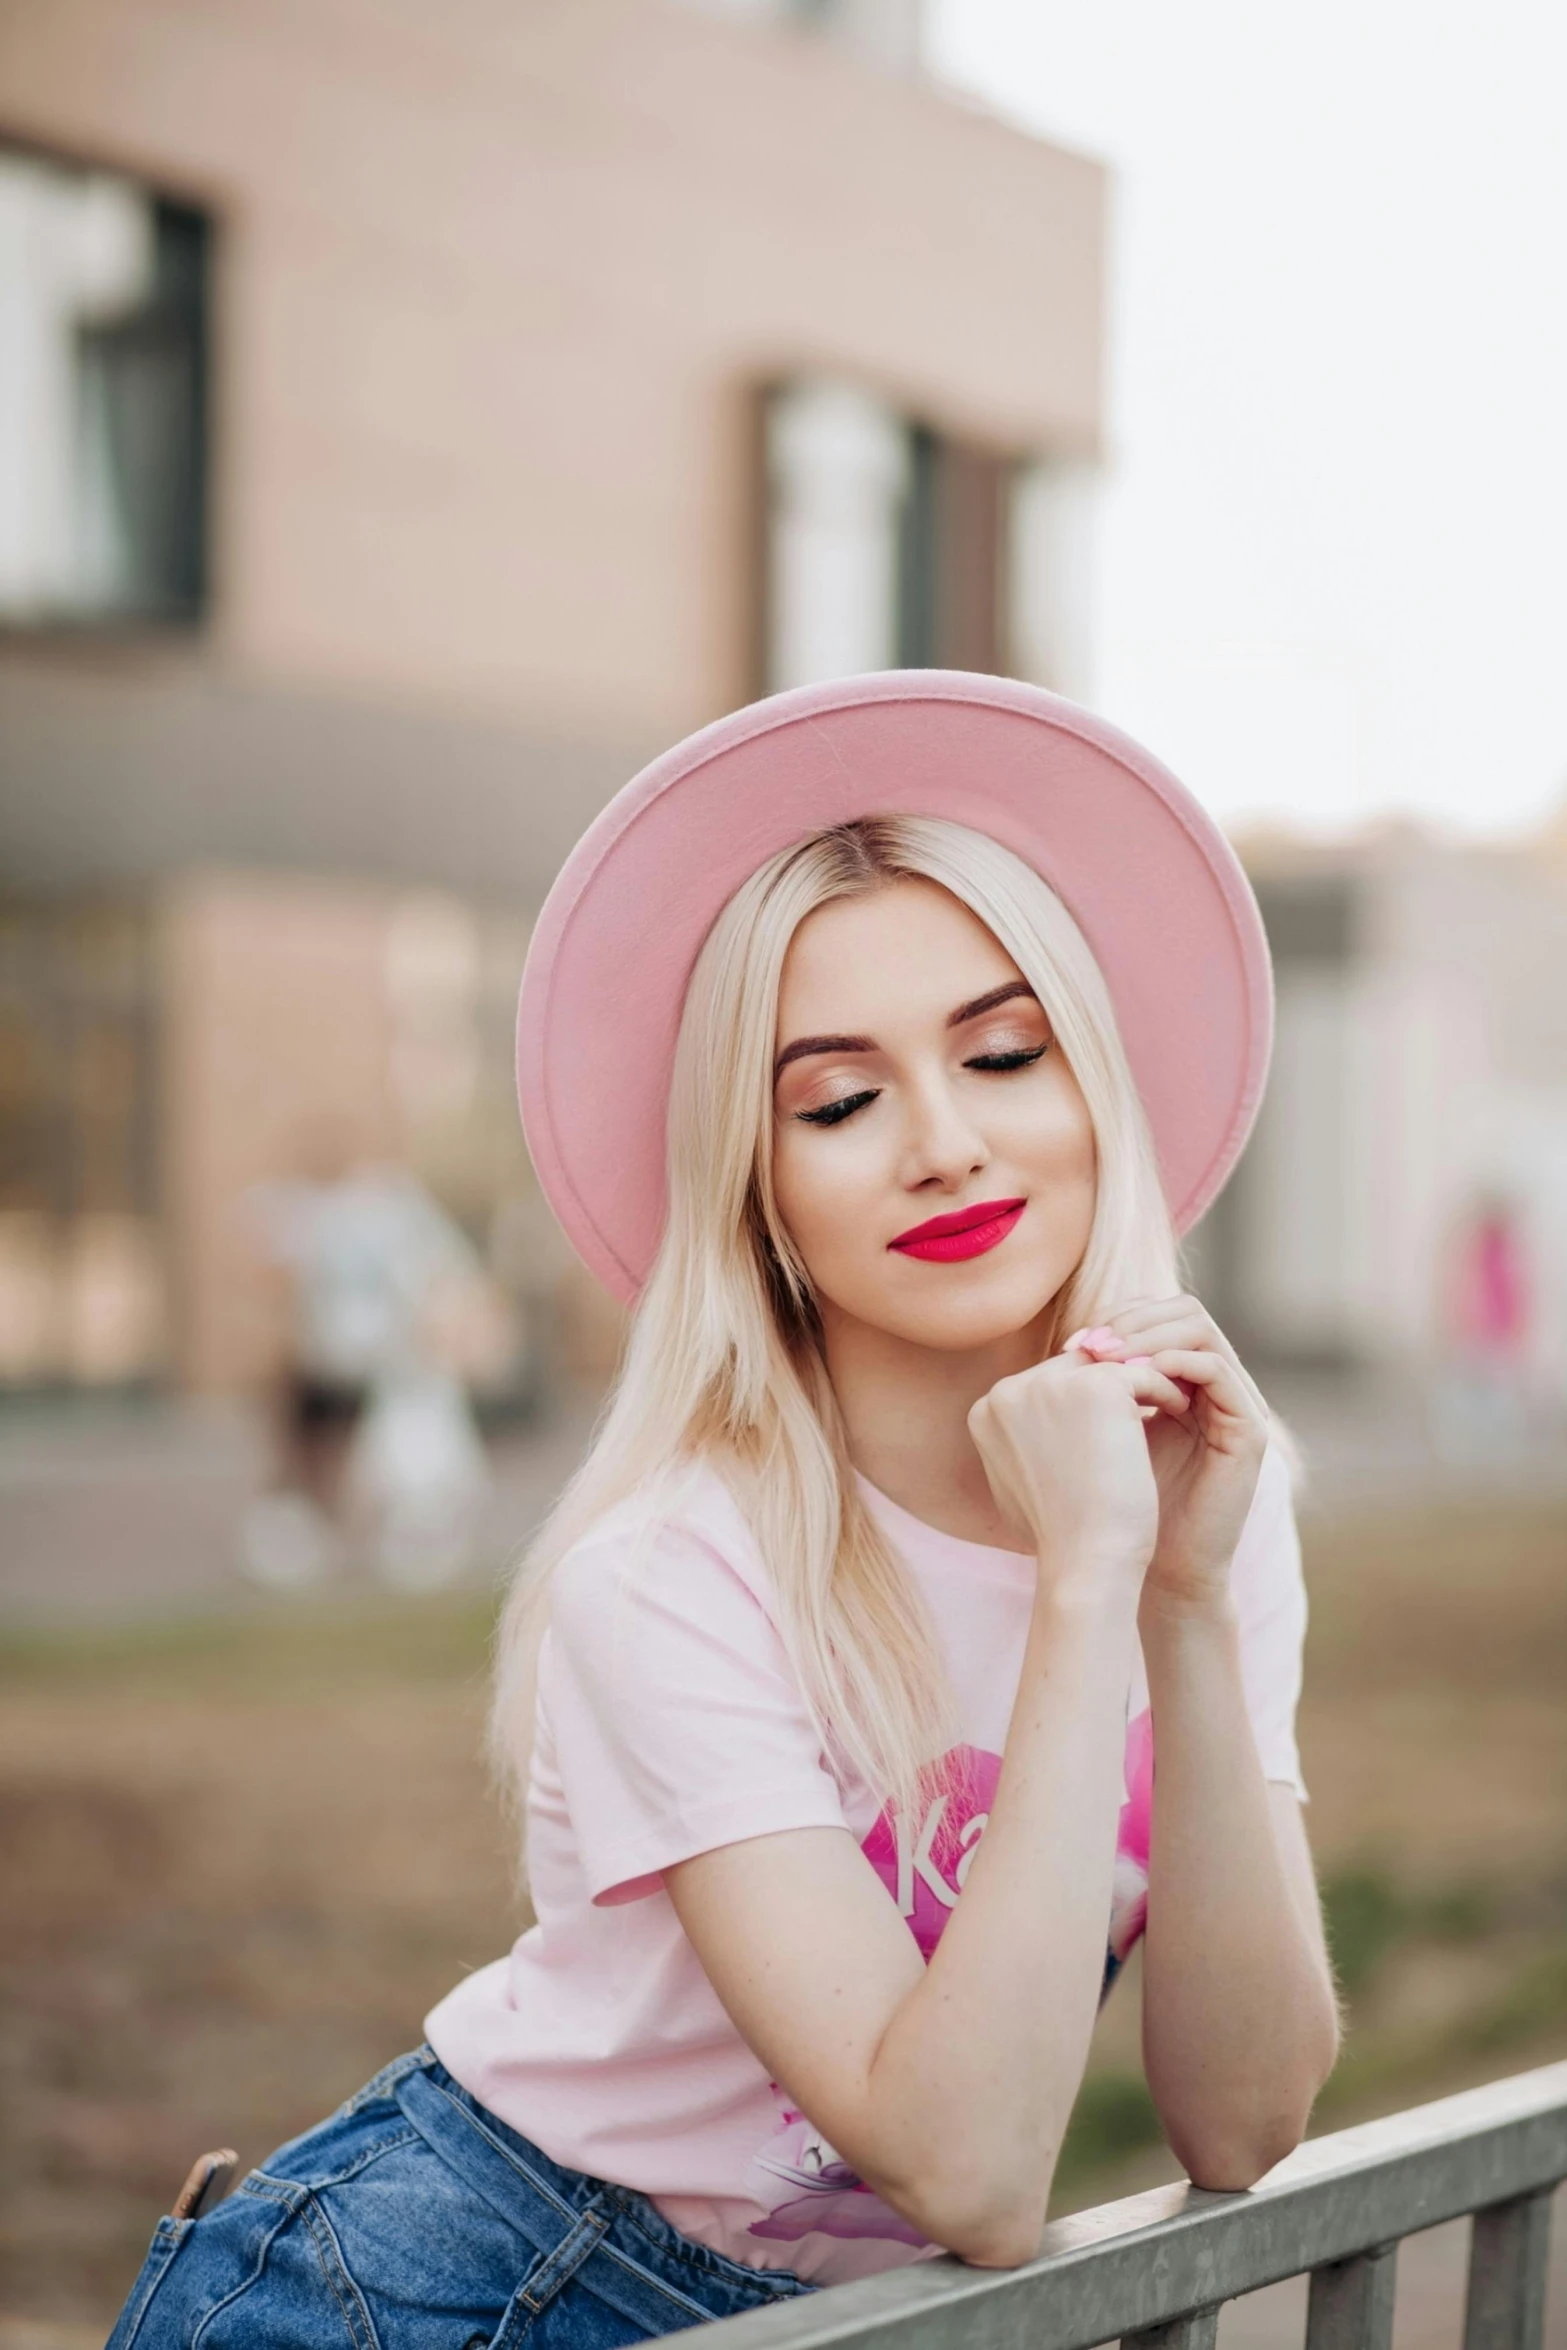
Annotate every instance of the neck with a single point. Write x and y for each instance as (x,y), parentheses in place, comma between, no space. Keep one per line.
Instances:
(905,1410)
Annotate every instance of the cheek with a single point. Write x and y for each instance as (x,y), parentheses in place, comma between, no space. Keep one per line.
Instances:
(819,1183)
(1052,1135)
(796,1191)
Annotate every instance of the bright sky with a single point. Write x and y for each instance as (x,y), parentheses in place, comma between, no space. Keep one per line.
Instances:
(1332,551)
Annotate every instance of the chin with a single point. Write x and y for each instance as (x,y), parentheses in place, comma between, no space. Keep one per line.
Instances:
(965,1320)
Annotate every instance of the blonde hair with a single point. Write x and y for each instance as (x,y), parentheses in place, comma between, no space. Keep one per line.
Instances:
(722,1365)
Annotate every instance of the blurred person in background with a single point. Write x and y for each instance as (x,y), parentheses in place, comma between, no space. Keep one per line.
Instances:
(390,1312)
(1484,1398)
(926,1507)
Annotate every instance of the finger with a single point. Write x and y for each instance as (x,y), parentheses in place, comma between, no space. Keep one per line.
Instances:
(1084,1355)
(1101,1344)
(1098,1337)
(1223,1385)
(1197,1332)
(1168,1321)
(1173,1330)
(1130,1361)
(1110,1347)
(1147,1383)
(1199,1339)
(1104,1346)
(1179,1307)
(1150,1313)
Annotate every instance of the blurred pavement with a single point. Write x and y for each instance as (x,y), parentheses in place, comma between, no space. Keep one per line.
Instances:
(1368,1444)
(113,1512)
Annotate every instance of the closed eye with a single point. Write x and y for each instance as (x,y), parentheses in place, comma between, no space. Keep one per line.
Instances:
(1013,1060)
(834,1113)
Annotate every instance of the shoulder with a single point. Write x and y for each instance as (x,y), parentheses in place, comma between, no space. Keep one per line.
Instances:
(1266,1578)
(1270,1599)
(678,1545)
(1273,1504)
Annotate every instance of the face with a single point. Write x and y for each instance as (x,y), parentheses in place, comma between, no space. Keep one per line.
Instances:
(917,1081)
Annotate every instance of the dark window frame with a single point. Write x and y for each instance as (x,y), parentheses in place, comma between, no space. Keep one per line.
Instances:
(174,323)
(953,542)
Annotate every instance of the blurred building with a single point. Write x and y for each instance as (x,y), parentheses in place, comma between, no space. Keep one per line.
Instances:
(1419,1083)
(410,419)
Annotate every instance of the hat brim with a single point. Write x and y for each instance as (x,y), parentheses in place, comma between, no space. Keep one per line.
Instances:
(1153,884)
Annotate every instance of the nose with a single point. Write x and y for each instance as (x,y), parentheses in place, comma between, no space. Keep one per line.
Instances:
(942,1147)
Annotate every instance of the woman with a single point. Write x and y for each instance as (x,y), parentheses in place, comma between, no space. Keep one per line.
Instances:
(926,1510)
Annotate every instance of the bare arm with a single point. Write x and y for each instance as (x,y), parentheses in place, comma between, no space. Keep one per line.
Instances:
(1240,2026)
(1239,2020)
(949,2087)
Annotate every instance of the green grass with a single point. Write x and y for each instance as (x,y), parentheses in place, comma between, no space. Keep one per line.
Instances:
(1114,2117)
(299,1648)
(1370,1917)
(1375,1923)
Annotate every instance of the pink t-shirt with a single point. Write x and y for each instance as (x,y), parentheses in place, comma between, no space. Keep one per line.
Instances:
(670,1723)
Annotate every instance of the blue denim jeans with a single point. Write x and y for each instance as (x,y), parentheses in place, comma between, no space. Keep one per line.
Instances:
(415,2220)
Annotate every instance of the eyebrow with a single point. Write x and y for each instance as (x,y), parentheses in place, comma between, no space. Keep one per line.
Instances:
(803,1046)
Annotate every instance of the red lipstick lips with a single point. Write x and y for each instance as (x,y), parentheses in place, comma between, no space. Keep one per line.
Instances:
(966,1232)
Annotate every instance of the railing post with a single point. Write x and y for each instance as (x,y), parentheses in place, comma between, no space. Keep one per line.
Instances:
(1507,2258)
(1199,2331)
(1351,2304)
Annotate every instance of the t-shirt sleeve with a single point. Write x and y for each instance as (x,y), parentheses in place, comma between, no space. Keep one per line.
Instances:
(676,1722)
(1269,1592)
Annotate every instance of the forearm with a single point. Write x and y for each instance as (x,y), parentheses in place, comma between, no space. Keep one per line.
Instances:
(978,2070)
(1239,2022)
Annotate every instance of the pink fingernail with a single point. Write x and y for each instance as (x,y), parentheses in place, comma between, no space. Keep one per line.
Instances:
(1077,1338)
(1138,1359)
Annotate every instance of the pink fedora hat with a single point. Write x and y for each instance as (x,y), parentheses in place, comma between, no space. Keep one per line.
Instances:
(1153,884)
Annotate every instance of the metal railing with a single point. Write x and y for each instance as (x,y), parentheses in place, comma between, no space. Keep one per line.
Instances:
(1154,2271)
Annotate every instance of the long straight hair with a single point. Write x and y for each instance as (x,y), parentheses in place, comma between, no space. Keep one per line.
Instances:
(723,1364)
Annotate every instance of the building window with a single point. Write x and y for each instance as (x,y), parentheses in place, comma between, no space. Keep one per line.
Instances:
(81,1276)
(890,544)
(104,302)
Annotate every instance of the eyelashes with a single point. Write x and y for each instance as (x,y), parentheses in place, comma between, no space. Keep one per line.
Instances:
(834,1113)
(1019,1059)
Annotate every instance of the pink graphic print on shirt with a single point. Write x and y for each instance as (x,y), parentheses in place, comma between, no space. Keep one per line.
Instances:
(1129,1886)
(924,1867)
(802,2184)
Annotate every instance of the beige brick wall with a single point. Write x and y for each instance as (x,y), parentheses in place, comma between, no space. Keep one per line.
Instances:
(492,277)
(495,281)
(274,1039)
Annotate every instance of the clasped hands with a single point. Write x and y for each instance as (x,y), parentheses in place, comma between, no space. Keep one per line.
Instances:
(1057,1444)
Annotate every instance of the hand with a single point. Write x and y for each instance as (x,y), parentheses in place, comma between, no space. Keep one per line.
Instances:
(1205,1452)
(1063,1447)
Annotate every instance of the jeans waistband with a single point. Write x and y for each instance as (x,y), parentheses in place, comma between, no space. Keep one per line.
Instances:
(568,2214)
(541,2199)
